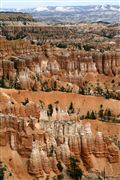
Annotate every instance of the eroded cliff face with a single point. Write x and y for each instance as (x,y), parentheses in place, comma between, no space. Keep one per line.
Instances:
(27,71)
(25,129)
(38,142)
(42,144)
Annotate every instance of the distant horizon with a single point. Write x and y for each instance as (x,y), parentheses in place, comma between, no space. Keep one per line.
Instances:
(56,6)
(28,4)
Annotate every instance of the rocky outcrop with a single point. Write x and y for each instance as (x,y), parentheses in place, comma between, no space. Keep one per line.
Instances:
(107,62)
(26,108)
(35,164)
(70,65)
(54,164)
(43,148)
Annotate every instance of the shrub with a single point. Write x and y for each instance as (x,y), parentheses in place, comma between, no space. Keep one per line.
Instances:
(78,45)
(71,109)
(88,115)
(50,110)
(101,113)
(10,174)
(92,115)
(62,89)
(82,117)
(88,47)
(60,177)
(61,45)
(2,169)
(107,94)
(60,167)
(73,170)
(51,150)
(54,85)
(81,91)
(26,101)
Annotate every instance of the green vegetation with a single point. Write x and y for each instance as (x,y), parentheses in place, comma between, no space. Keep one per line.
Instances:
(60,176)
(107,115)
(1,172)
(25,102)
(103,114)
(82,117)
(51,150)
(88,89)
(2,84)
(73,170)
(116,141)
(61,45)
(90,115)
(78,46)
(50,110)
(60,167)
(71,109)
(88,47)
(4,168)
(45,87)
(55,86)
(81,91)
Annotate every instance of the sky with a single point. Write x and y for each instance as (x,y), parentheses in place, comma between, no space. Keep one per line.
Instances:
(42,3)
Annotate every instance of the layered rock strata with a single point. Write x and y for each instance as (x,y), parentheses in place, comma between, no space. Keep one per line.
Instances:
(44,147)
(25,72)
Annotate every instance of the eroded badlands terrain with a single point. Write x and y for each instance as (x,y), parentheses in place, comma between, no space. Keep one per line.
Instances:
(57,102)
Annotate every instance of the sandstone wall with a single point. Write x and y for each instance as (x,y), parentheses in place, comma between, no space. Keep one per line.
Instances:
(25,71)
(64,138)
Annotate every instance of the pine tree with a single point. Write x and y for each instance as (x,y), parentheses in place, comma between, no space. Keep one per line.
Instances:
(73,170)
(88,115)
(101,113)
(60,167)
(50,110)
(92,115)
(71,109)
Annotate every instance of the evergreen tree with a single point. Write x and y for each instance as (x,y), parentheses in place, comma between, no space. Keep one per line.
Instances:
(60,167)
(50,110)
(60,176)
(2,171)
(71,109)
(107,114)
(62,89)
(88,115)
(81,91)
(73,170)
(107,94)
(101,113)
(92,115)
(54,85)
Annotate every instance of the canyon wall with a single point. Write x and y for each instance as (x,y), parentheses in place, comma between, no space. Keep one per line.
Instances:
(44,143)
(26,69)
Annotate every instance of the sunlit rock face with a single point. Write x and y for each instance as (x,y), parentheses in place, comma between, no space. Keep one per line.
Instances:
(35,162)
(52,141)
(107,62)
(44,141)
(25,71)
